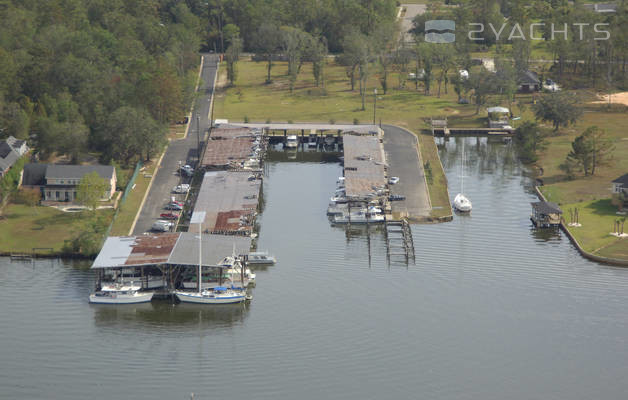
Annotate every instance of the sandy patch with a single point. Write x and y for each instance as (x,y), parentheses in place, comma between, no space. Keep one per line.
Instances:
(616,98)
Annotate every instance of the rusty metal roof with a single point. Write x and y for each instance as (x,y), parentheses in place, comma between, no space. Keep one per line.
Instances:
(226,152)
(121,251)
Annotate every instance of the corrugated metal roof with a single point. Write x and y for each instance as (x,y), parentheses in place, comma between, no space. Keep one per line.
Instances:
(225,196)
(364,165)
(121,251)
(224,152)
(214,248)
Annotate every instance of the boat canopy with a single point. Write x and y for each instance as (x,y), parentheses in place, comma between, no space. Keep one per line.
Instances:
(220,289)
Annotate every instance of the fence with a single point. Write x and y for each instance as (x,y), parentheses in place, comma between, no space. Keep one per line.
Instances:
(126,192)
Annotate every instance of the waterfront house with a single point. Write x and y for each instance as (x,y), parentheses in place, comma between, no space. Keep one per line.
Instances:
(11,149)
(58,183)
(620,185)
(529,82)
(546,214)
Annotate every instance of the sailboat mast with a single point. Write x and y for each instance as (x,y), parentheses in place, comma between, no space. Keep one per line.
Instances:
(462,170)
(200,257)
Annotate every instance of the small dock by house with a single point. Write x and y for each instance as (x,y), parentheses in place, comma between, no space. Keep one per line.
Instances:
(546,214)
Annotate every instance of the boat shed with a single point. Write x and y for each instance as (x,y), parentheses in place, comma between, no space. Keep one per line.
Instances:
(168,249)
(365,167)
(229,200)
(546,214)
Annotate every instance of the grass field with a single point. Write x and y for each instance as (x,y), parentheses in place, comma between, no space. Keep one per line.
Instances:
(128,210)
(35,230)
(407,107)
(597,217)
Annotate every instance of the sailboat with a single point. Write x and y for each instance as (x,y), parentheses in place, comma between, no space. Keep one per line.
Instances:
(217,294)
(461,202)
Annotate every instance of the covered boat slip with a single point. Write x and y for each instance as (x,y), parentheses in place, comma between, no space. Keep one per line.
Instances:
(168,253)
(229,200)
(364,166)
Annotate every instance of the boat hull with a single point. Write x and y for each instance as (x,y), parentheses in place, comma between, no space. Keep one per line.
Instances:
(462,204)
(144,297)
(200,299)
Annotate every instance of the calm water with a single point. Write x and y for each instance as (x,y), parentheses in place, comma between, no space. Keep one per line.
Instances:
(491,310)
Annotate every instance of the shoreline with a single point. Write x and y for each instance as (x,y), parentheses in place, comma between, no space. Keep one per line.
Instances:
(604,260)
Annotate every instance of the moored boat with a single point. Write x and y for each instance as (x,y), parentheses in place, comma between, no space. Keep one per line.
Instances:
(260,258)
(217,295)
(120,294)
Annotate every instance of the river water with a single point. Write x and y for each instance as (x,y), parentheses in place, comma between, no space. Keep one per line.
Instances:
(491,310)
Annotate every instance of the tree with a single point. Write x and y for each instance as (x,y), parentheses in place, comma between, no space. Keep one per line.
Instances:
(559,108)
(232,57)
(90,190)
(590,150)
(317,54)
(293,44)
(30,197)
(482,84)
(354,45)
(444,57)
(267,42)
(528,140)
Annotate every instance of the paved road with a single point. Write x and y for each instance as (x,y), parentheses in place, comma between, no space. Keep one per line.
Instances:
(183,150)
(404,162)
(412,10)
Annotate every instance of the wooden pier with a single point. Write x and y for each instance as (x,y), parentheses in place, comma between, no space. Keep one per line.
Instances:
(399,242)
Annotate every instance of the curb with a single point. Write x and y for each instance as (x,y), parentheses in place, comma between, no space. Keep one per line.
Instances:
(198,81)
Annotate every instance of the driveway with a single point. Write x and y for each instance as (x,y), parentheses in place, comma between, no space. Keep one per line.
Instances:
(404,161)
(182,151)
(412,10)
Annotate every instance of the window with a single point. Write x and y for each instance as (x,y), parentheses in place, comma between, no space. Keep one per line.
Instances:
(56,195)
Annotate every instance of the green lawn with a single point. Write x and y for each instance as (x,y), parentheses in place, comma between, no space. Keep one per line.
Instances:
(597,219)
(131,206)
(25,229)
(407,107)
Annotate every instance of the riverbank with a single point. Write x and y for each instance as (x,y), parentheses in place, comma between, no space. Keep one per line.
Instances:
(591,195)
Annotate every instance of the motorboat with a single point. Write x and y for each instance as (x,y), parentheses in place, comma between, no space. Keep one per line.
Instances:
(361,216)
(330,140)
(292,141)
(338,199)
(337,209)
(312,141)
(461,202)
(216,295)
(120,294)
(150,279)
(260,258)
(229,275)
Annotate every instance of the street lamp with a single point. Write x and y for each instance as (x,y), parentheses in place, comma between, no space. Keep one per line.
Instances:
(374,104)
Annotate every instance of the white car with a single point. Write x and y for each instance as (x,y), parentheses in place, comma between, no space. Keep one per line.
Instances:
(181,189)
(162,226)
(393,180)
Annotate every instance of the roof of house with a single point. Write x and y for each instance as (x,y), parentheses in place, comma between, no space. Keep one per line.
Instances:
(34,174)
(57,171)
(622,179)
(8,156)
(546,207)
(529,78)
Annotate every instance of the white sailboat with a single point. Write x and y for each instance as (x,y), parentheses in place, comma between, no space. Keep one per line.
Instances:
(461,202)
(218,294)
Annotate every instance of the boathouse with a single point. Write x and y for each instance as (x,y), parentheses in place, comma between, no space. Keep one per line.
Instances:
(546,214)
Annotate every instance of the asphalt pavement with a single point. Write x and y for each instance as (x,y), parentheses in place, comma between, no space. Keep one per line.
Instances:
(404,161)
(179,152)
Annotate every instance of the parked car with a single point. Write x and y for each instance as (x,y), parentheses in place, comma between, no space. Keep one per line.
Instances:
(162,226)
(393,180)
(395,197)
(174,206)
(181,189)
(169,215)
(187,170)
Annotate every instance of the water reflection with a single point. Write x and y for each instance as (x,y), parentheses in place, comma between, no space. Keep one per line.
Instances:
(163,314)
